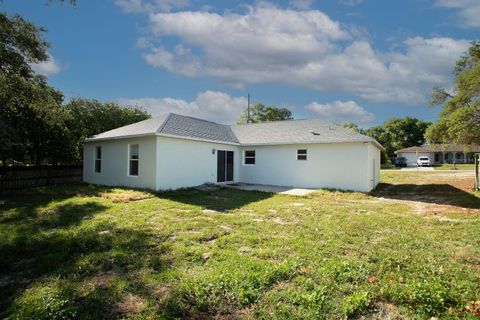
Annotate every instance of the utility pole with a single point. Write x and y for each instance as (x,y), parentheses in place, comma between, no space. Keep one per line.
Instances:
(248,109)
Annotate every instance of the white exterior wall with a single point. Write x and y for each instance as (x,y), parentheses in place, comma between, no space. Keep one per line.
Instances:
(172,163)
(338,166)
(187,163)
(115,163)
(412,157)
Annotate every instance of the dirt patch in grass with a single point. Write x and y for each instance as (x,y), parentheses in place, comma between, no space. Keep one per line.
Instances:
(384,311)
(424,208)
(215,236)
(129,305)
(161,293)
(101,279)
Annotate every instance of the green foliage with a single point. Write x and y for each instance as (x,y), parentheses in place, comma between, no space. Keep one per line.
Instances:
(429,296)
(261,113)
(241,282)
(34,125)
(21,44)
(29,108)
(86,117)
(356,304)
(461,126)
(395,133)
(460,118)
(398,133)
(352,126)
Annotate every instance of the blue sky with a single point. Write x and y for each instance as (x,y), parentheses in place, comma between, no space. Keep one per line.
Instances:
(340,60)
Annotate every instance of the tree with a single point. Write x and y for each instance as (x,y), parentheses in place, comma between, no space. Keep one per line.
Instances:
(405,132)
(460,118)
(395,133)
(86,117)
(261,113)
(34,125)
(352,126)
(28,106)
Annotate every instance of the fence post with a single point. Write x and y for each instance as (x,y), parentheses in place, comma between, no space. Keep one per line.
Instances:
(477,182)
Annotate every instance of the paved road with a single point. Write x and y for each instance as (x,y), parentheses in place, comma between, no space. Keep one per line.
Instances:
(418,169)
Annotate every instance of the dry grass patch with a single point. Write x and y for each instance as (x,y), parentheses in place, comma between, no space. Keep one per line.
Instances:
(124,195)
(130,304)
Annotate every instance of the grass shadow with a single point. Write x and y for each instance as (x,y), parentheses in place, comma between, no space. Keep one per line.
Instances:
(441,194)
(218,199)
(47,246)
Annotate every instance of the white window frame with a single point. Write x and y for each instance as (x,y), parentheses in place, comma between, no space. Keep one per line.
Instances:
(95,159)
(254,157)
(302,154)
(129,159)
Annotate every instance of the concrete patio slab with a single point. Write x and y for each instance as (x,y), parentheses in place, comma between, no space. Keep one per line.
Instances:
(272,189)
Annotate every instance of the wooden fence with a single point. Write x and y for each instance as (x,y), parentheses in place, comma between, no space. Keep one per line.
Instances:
(12,178)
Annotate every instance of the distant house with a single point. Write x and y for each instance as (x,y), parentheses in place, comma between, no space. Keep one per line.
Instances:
(174,151)
(440,153)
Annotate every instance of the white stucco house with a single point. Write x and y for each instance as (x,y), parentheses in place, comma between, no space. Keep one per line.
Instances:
(174,151)
(440,153)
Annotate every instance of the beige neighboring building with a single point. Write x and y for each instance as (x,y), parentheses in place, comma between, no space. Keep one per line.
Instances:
(440,153)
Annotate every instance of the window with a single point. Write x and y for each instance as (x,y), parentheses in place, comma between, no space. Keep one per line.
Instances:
(249,157)
(98,159)
(302,154)
(133,160)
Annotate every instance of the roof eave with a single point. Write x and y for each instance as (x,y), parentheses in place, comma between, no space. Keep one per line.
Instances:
(196,139)
(119,137)
(375,143)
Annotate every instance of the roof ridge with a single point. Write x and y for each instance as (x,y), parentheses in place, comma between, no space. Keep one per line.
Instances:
(203,120)
(287,120)
(159,130)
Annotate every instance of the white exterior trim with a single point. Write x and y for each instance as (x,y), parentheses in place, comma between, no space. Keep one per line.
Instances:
(88,140)
(129,146)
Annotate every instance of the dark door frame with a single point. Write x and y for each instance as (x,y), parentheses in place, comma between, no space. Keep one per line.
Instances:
(225,165)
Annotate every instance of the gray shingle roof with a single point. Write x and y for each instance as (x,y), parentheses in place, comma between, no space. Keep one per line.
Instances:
(172,125)
(278,132)
(188,127)
(296,131)
(142,128)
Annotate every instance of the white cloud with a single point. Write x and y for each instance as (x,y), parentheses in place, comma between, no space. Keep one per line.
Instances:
(468,10)
(301,4)
(341,111)
(268,44)
(140,6)
(210,105)
(47,68)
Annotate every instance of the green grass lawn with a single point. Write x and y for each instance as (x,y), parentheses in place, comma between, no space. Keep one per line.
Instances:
(85,252)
